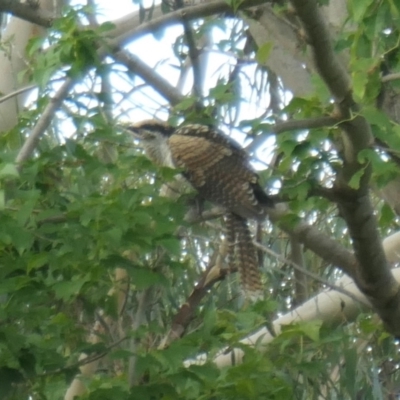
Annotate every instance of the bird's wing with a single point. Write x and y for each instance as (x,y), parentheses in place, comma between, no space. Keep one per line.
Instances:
(217,168)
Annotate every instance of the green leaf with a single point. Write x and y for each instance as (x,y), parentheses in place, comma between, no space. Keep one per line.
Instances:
(235,4)
(2,199)
(22,239)
(394,8)
(359,8)
(302,190)
(25,211)
(172,245)
(143,278)
(10,377)
(366,80)
(66,290)
(355,180)
(37,261)
(350,371)
(311,329)
(185,104)
(387,215)
(264,52)
(321,90)
(9,171)
(106,27)
(113,235)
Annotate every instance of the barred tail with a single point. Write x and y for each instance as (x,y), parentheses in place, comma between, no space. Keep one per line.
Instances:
(243,254)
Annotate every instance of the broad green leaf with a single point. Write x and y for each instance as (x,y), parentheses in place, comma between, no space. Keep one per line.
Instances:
(8,171)
(26,209)
(185,104)
(264,52)
(350,371)
(67,290)
(387,215)
(9,378)
(394,7)
(359,8)
(22,238)
(311,329)
(106,27)
(172,245)
(354,181)
(143,278)
(37,261)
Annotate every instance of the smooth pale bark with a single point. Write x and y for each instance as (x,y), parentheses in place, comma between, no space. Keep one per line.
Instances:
(120,290)
(330,306)
(287,58)
(13,62)
(77,387)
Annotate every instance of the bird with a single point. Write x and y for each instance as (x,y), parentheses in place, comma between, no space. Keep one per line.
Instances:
(219,169)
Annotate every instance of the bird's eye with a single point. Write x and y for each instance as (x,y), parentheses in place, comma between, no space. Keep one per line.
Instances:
(149,135)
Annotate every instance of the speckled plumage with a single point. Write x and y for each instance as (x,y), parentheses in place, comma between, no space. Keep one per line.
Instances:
(219,169)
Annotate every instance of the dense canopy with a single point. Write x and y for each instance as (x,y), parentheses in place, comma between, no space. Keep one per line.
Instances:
(114,283)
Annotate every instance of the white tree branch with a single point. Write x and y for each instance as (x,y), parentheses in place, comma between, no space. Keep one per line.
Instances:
(330,306)
(44,121)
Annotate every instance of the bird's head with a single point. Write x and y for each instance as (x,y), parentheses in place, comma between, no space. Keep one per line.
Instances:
(150,130)
(153,137)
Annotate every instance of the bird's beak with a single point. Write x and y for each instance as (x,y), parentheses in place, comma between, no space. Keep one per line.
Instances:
(134,131)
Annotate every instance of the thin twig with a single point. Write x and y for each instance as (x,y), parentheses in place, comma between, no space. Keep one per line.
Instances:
(44,121)
(293,125)
(300,279)
(161,85)
(16,93)
(308,123)
(213,274)
(176,17)
(194,55)
(84,361)
(25,89)
(391,77)
(139,319)
(317,278)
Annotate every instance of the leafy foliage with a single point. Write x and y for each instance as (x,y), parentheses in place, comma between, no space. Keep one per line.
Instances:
(88,204)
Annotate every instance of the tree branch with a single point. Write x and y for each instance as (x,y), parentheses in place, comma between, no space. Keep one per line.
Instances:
(16,93)
(293,125)
(332,306)
(27,12)
(44,121)
(84,360)
(287,55)
(390,77)
(194,55)
(181,16)
(371,271)
(176,17)
(161,85)
(315,240)
(302,124)
(213,274)
(305,273)
(326,61)
(300,277)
